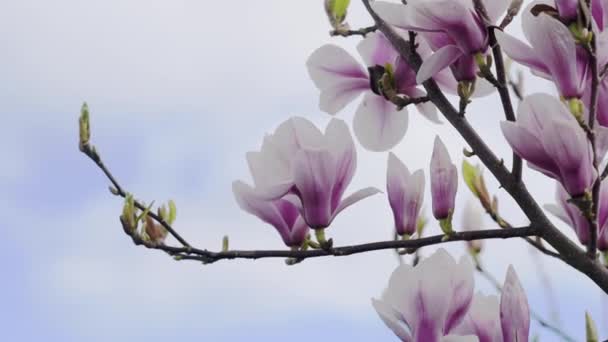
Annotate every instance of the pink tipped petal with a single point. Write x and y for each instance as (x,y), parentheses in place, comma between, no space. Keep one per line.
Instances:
(529,147)
(263,209)
(338,75)
(597,11)
(391,318)
(356,197)
(414,196)
(520,52)
(375,49)
(438,61)
(314,175)
(514,311)
(568,9)
(555,46)
(444,181)
(377,123)
(396,179)
(337,96)
(342,147)
(463,284)
(330,64)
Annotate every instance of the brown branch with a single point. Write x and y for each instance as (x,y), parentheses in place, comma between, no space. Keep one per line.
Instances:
(505,97)
(207,256)
(347,33)
(595,82)
(571,253)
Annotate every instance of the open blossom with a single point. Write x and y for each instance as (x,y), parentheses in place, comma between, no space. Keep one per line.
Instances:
(571,215)
(453,28)
(405,195)
(538,137)
(444,181)
(281,214)
(311,170)
(553,53)
(491,321)
(425,303)
(378,124)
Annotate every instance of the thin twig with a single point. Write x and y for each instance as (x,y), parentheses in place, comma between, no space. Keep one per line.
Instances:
(118,190)
(360,32)
(207,256)
(505,97)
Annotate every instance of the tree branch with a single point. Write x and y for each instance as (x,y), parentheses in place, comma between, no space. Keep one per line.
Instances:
(570,252)
(209,257)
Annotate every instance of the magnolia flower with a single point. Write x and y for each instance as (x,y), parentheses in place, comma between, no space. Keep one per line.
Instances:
(538,136)
(472,219)
(568,10)
(300,164)
(514,310)
(426,302)
(459,33)
(571,215)
(491,321)
(554,54)
(444,181)
(378,124)
(281,214)
(405,195)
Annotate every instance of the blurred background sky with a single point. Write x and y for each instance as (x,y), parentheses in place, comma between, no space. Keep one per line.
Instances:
(179,90)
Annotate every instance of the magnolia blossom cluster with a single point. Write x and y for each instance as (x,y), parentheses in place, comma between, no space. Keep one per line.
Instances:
(435,302)
(300,174)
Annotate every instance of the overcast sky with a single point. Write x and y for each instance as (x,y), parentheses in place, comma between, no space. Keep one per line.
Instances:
(179,91)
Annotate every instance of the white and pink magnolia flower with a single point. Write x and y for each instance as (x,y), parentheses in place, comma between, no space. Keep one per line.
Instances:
(378,124)
(405,195)
(453,29)
(472,219)
(514,310)
(571,215)
(427,302)
(444,181)
(491,321)
(568,10)
(553,54)
(281,214)
(538,137)
(300,164)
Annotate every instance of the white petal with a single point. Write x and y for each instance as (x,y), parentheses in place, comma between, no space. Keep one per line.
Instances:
(427,109)
(356,197)
(377,123)
(391,318)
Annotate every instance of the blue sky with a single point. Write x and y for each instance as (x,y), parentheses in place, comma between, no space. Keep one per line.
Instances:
(179,91)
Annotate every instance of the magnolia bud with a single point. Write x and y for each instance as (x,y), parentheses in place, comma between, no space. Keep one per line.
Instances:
(336,13)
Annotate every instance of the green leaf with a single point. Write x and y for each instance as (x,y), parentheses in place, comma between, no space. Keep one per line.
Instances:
(470,173)
(339,8)
(590,328)
(172,212)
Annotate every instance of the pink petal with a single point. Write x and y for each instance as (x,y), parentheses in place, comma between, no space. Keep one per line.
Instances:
(529,147)
(342,147)
(338,75)
(514,311)
(438,61)
(520,52)
(375,49)
(314,176)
